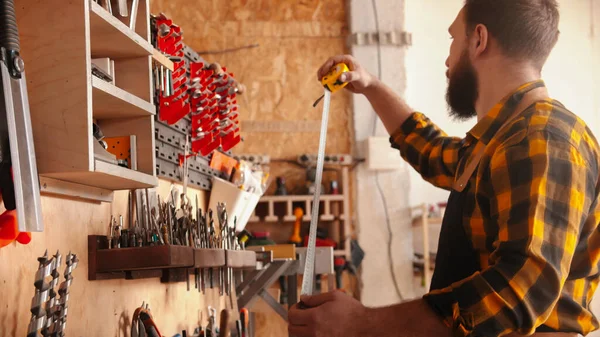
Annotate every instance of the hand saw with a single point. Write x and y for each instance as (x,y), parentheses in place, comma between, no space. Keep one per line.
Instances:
(17,153)
(332,84)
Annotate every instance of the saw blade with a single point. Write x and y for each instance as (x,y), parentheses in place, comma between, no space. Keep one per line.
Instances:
(309,266)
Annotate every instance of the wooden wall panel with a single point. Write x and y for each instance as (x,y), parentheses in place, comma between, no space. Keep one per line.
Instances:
(295,37)
(96,308)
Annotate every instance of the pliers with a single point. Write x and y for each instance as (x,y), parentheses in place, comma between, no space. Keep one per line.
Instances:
(142,323)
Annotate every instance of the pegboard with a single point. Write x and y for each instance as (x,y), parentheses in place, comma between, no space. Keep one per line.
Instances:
(170,140)
(170,143)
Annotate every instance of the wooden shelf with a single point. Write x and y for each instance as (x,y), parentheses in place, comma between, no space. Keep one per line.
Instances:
(112,38)
(156,257)
(295,198)
(240,258)
(306,200)
(291,218)
(334,214)
(110,101)
(209,258)
(124,178)
(339,252)
(418,221)
(108,176)
(79,97)
(163,60)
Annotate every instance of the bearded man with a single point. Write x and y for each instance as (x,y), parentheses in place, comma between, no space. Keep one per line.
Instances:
(519,245)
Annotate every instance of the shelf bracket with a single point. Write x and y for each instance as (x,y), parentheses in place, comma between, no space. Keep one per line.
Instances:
(263,280)
(52,186)
(274,304)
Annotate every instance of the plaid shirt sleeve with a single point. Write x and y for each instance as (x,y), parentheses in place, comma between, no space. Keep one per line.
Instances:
(428,149)
(542,188)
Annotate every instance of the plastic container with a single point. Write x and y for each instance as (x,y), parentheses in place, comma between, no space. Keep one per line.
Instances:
(240,204)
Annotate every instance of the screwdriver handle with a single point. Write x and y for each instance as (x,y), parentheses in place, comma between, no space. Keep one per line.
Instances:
(244,318)
(224,323)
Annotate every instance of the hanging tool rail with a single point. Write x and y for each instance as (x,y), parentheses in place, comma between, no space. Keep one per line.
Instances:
(168,262)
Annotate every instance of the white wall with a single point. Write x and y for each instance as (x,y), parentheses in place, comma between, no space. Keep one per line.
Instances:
(371,225)
(567,74)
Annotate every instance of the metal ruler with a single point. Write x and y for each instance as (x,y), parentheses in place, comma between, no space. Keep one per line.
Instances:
(309,266)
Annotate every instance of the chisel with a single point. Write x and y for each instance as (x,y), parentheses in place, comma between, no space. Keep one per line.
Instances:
(123,8)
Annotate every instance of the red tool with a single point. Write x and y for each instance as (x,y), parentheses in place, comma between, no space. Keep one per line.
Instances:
(143,320)
(321,242)
(339,264)
(244,317)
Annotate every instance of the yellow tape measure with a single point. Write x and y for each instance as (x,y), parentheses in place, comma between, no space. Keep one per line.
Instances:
(331,81)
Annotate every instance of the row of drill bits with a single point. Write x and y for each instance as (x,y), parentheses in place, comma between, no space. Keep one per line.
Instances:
(174,222)
(49,313)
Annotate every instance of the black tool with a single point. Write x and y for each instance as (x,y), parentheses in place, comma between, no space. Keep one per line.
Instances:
(124,238)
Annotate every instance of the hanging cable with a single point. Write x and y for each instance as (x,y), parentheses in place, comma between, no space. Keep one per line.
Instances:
(379,188)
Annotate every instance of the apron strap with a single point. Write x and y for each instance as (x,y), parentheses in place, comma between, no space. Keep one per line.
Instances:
(461,182)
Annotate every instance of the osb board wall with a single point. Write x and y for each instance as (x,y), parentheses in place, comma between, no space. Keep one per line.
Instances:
(96,308)
(295,37)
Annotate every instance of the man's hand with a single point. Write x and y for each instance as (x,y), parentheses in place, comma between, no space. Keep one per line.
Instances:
(392,110)
(332,314)
(358,78)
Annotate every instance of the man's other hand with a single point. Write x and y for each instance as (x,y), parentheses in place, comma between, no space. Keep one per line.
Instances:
(332,314)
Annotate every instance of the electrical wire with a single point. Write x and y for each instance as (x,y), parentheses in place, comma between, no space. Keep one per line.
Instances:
(377,182)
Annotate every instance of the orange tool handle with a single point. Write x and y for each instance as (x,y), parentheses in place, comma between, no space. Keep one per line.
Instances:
(296,238)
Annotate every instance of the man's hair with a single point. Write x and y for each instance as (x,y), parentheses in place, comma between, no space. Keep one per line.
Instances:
(523,28)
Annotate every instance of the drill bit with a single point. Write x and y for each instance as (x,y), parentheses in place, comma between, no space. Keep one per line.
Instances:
(38,312)
(51,304)
(130,209)
(63,291)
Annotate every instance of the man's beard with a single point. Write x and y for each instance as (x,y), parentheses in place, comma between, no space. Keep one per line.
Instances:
(462,92)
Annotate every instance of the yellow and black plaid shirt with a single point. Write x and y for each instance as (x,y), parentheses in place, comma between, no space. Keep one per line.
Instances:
(531,213)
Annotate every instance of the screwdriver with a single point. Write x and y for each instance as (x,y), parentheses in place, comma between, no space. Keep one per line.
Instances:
(244,319)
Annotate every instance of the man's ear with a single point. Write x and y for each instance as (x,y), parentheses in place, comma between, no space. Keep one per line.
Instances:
(480,39)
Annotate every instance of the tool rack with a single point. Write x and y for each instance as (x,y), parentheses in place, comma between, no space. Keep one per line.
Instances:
(58,40)
(171,263)
(170,143)
(333,209)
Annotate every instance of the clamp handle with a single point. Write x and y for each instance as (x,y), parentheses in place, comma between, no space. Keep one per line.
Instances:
(9,34)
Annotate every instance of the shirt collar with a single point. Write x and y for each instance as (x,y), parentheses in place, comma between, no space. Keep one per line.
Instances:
(487,127)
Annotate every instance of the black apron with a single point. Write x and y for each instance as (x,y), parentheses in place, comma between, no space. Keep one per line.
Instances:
(456,258)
